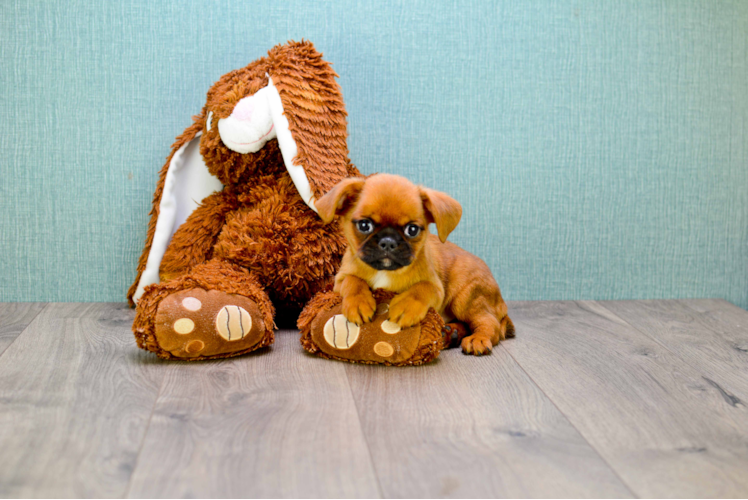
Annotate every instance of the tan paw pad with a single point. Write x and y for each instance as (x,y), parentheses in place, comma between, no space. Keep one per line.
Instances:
(384,349)
(184,326)
(194,346)
(341,333)
(233,322)
(192,304)
(390,327)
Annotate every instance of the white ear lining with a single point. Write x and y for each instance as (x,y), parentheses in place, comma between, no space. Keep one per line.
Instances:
(187,183)
(288,146)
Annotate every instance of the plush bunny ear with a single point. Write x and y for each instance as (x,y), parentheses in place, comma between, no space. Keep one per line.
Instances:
(183,183)
(314,116)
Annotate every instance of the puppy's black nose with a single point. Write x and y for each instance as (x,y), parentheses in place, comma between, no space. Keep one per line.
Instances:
(388,244)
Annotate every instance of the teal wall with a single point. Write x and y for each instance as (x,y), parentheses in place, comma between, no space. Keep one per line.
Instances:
(598,148)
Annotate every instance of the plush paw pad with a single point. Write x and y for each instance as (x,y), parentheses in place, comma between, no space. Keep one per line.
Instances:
(184,326)
(390,327)
(384,349)
(233,322)
(341,333)
(196,322)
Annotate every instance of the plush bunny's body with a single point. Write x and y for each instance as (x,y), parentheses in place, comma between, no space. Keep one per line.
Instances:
(233,231)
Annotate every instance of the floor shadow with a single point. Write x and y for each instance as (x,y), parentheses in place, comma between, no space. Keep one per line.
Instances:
(143,357)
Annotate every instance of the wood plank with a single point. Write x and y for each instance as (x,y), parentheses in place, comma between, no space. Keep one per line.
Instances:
(655,420)
(728,320)
(711,336)
(274,423)
(473,427)
(14,318)
(719,309)
(76,398)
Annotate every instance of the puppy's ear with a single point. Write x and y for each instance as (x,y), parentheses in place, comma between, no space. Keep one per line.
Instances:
(339,199)
(441,209)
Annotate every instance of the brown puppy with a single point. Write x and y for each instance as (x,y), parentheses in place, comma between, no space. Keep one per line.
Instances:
(385,219)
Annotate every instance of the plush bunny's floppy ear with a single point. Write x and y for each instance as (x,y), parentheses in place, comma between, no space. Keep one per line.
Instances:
(288,146)
(183,183)
(310,116)
(301,105)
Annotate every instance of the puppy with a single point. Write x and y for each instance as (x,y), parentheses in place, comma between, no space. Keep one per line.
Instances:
(386,220)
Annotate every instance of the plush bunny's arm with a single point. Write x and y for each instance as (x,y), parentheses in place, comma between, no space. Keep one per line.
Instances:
(193,242)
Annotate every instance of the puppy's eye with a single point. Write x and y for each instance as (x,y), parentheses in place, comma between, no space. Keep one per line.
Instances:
(411,230)
(364,226)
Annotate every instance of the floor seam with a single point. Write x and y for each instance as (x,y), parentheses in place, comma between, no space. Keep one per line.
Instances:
(363,435)
(145,436)
(46,305)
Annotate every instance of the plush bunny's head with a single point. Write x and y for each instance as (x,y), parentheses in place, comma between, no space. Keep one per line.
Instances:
(290,96)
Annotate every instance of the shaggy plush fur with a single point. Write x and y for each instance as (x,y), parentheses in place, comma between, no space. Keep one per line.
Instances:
(257,237)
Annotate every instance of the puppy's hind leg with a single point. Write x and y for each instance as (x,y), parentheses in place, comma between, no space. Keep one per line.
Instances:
(486,334)
(489,325)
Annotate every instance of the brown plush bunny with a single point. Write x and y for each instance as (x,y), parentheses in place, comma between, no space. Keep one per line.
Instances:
(233,231)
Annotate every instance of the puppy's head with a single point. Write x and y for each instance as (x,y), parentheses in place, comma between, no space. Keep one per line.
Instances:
(385,218)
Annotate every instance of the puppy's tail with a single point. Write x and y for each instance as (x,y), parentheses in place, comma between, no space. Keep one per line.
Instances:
(506,328)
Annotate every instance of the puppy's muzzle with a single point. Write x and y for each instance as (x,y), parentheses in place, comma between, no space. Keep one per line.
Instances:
(387,250)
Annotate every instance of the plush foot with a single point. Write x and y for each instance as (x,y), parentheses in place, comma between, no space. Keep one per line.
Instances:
(326,331)
(196,323)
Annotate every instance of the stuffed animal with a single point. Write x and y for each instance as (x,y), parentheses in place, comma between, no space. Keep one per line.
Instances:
(233,233)
(326,333)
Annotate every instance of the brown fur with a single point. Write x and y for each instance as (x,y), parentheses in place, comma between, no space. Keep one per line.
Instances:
(258,224)
(457,284)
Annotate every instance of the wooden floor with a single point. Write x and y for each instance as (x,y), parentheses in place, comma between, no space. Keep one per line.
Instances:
(591,399)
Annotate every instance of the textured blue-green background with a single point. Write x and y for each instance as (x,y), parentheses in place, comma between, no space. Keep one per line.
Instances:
(598,148)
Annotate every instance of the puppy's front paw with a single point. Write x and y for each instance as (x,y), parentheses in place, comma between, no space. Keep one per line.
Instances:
(477,344)
(359,309)
(407,311)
